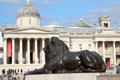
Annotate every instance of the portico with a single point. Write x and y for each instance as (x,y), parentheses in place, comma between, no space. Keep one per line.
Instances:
(107,50)
(30,53)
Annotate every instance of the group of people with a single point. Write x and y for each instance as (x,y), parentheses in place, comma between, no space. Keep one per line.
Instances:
(12,74)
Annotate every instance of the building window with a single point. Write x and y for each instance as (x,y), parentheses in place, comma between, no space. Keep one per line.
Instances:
(21,21)
(105,24)
(89,45)
(80,45)
(107,46)
(70,46)
(29,21)
(108,62)
(37,21)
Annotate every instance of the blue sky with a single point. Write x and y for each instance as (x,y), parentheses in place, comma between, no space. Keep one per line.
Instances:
(64,12)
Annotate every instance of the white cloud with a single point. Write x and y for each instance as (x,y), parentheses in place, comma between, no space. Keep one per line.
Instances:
(91,17)
(113,11)
(11,1)
(68,21)
(45,2)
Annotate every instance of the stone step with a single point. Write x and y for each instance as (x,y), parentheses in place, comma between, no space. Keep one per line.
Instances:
(71,76)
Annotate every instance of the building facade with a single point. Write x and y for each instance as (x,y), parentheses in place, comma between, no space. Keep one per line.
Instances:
(22,45)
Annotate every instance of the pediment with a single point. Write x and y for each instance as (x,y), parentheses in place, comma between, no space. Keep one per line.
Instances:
(31,31)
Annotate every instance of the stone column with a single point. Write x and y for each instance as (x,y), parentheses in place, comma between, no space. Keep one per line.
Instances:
(68,43)
(40,50)
(5,51)
(114,53)
(28,51)
(42,57)
(103,43)
(13,51)
(21,52)
(36,51)
(96,46)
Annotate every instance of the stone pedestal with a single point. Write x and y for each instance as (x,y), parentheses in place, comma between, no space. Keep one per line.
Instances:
(108,77)
(70,76)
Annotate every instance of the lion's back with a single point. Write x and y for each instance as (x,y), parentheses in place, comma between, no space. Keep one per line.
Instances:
(92,60)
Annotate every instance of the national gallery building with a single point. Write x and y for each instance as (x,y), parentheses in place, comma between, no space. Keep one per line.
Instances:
(21,46)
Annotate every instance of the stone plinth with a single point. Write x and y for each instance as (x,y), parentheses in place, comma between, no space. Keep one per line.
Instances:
(108,77)
(24,67)
(71,76)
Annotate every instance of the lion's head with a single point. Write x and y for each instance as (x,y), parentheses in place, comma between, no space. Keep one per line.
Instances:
(54,48)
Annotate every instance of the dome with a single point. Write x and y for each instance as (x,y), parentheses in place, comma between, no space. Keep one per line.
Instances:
(28,10)
(82,24)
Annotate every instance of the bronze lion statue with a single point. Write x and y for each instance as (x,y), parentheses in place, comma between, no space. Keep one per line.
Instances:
(60,60)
